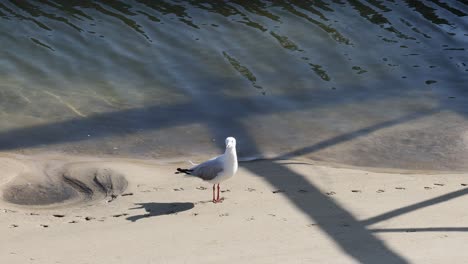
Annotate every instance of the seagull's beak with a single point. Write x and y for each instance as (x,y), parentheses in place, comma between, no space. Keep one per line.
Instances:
(229,145)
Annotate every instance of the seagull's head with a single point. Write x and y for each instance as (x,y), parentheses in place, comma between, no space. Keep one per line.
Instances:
(230,142)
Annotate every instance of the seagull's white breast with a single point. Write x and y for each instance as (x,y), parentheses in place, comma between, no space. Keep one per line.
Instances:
(230,166)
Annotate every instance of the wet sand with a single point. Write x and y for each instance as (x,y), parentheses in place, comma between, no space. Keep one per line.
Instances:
(273,211)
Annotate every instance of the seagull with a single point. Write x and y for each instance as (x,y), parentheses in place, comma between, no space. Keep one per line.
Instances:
(217,169)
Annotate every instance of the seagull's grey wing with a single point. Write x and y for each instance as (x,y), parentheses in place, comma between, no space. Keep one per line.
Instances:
(208,170)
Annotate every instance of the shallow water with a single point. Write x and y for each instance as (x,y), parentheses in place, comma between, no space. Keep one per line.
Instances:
(365,83)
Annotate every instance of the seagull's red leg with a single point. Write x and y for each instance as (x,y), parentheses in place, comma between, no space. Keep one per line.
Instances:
(214,200)
(219,200)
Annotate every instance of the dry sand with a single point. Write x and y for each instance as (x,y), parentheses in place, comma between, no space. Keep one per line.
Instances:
(290,211)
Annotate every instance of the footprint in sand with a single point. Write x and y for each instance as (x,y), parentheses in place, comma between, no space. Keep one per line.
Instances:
(201,188)
(278,191)
(330,193)
(89,218)
(439,184)
(250,218)
(195,214)
(227,190)
(356,191)
(45,226)
(119,215)
(58,215)
(127,194)
(380,191)
(251,190)
(112,198)
(222,215)
(73,222)
(14,226)
(400,188)
(464,184)
(427,188)
(178,189)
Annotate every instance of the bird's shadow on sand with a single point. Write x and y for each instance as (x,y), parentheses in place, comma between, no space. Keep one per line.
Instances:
(157,209)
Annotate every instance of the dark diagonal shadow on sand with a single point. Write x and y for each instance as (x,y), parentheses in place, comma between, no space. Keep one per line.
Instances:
(416,206)
(358,242)
(158,209)
(420,229)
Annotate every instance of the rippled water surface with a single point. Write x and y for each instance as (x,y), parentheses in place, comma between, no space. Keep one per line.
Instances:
(366,83)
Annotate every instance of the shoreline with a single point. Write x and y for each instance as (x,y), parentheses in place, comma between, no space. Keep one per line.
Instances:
(145,159)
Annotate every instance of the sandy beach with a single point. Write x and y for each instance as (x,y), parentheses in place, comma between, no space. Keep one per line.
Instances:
(288,211)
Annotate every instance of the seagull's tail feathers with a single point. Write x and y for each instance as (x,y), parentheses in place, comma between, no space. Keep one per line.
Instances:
(186,171)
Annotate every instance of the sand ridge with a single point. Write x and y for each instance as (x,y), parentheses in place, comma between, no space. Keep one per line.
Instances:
(53,182)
